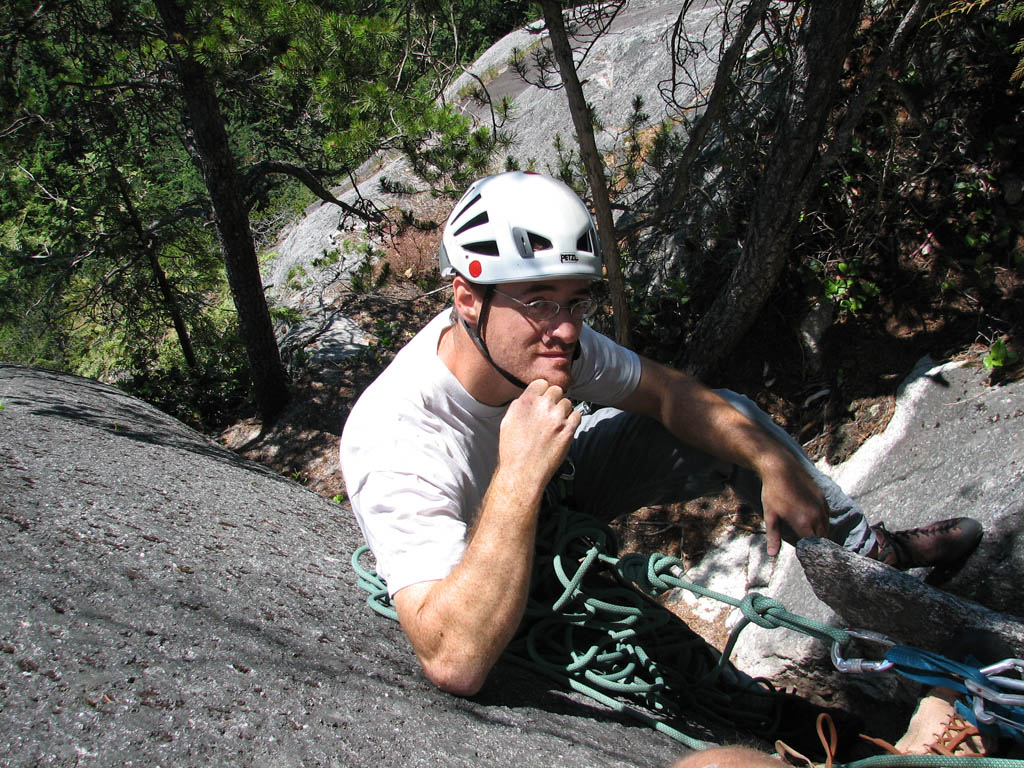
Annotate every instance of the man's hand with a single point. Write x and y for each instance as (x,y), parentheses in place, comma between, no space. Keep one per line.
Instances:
(536,433)
(789,496)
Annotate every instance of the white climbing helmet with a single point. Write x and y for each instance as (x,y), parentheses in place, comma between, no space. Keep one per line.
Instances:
(518,226)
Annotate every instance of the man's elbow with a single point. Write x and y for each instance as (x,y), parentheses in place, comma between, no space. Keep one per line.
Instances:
(456,679)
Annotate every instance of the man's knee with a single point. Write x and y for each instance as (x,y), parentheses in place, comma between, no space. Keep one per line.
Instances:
(728,757)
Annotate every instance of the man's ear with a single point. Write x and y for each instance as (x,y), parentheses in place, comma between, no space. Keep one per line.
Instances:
(467,302)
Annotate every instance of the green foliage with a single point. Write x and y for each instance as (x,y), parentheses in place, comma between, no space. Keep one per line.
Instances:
(209,399)
(100,209)
(444,149)
(329,257)
(364,277)
(986,235)
(29,333)
(914,213)
(1000,356)
(105,233)
(478,23)
(569,165)
(1011,13)
(371,270)
(659,316)
(296,278)
(429,281)
(285,315)
(387,332)
(476,91)
(843,283)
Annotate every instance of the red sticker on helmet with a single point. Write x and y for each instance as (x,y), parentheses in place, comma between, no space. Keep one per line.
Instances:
(475,269)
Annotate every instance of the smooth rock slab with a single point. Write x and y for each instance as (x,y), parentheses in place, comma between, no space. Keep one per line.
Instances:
(164,602)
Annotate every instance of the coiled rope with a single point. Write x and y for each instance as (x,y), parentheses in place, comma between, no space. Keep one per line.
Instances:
(592,625)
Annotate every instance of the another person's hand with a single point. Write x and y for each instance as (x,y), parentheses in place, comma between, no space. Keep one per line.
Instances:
(536,432)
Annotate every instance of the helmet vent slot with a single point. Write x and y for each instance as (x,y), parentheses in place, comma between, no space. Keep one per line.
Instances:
(538,243)
(585,243)
(476,221)
(469,204)
(484,248)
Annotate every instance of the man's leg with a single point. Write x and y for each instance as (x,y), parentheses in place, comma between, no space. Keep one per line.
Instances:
(942,543)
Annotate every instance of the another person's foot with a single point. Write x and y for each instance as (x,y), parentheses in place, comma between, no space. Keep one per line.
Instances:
(937,729)
(943,543)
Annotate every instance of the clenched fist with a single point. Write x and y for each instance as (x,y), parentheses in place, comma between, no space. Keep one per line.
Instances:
(536,433)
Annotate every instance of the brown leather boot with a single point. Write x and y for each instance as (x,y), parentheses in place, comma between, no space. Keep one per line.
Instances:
(943,543)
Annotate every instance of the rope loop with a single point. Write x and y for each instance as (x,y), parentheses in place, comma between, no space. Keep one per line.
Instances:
(634,568)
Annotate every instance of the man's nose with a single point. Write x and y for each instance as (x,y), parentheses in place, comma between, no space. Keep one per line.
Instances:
(563,327)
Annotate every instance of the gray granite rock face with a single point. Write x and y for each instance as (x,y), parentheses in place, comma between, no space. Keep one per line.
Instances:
(163,602)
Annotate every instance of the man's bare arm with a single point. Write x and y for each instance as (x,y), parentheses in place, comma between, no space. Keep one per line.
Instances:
(699,417)
(460,625)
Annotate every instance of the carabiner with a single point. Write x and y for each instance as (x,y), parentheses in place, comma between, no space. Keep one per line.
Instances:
(862,666)
(982,693)
(1017,665)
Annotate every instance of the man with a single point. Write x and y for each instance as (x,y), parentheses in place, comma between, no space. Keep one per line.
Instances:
(447,454)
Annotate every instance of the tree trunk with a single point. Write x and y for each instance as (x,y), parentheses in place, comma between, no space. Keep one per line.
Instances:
(716,103)
(169,300)
(823,43)
(580,112)
(270,384)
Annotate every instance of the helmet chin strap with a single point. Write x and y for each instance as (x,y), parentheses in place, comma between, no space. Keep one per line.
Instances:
(477,337)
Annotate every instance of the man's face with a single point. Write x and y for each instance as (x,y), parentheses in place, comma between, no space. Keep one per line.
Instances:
(535,349)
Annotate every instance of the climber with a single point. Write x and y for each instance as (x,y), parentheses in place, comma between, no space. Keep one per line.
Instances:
(446,456)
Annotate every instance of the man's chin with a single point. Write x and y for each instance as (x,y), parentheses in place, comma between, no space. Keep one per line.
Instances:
(555,376)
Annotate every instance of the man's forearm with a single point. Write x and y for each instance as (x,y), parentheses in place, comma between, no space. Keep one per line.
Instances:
(701,418)
(460,625)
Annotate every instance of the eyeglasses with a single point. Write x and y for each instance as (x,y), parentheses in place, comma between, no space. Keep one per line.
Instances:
(542,310)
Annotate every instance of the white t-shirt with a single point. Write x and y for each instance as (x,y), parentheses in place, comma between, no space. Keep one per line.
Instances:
(418,451)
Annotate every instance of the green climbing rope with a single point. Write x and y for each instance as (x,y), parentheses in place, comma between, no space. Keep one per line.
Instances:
(592,625)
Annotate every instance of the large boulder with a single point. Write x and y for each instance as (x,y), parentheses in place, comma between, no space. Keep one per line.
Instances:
(164,602)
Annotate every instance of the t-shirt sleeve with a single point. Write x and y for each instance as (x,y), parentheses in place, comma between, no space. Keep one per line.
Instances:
(605,372)
(406,481)
(413,528)
(405,493)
